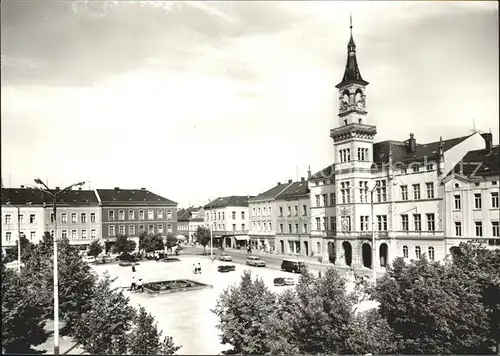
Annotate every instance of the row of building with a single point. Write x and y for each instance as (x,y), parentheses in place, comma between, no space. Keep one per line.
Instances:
(85,215)
(416,198)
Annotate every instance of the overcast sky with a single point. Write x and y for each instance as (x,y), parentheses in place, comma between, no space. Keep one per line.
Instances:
(195,100)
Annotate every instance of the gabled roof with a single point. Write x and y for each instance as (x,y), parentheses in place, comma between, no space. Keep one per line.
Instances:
(24,196)
(131,197)
(293,190)
(327,173)
(479,163)
(233,200)
(187,214)
(273,192)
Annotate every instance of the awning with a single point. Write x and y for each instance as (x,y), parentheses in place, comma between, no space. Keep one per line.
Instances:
(241,237)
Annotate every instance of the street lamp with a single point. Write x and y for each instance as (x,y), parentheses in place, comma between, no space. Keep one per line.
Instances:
(18,234)
(56,278)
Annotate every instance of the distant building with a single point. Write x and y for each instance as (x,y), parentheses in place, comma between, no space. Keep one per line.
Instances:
(188,221)
(132,211)
(229,220)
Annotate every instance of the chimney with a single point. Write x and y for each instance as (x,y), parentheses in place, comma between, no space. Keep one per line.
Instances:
(279,183)
(289,181)
(143,188)
(58,188)
(412,144)
(302,179)
(117,188)
(22,186)
(488,139)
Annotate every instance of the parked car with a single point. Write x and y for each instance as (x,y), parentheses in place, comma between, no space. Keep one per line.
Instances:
(284,281)
(289,281)
(293,266)
(88,259)
(226,268)
(255,261)
(104,259)
(225,257)
(127,257)
(14,264)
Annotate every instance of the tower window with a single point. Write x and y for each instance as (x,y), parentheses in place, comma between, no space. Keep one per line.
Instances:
(345,122)
(360,121)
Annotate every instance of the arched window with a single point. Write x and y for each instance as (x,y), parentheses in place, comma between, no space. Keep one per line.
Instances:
(431,253)
(457,185)
(405,251)
(358,97)
(418,252)
(345,96)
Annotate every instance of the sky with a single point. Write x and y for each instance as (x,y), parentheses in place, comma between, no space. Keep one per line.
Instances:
(195,100)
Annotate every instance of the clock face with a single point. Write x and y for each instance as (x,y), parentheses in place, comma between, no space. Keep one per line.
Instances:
(360,104)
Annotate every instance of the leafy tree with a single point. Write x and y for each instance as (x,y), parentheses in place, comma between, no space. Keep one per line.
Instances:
(171,241)
(432,307)
(202,236)
(242,311)
(22,316)
(95,249)
(26,250)
(145,338)
(103,328)
(123,244)
(150,242)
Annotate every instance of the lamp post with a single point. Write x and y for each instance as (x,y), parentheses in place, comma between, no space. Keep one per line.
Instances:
(18,234)
(56,277)
(211,235)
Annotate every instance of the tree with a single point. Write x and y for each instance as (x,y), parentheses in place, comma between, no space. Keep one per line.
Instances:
(432,307)
(242,311)
(26,250)
(171,241)
(95,249)
(145,338)
(103,328)
(123,244)
(202,236)
(22,315)
(150,242)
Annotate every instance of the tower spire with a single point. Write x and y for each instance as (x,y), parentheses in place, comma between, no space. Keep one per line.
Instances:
(350,21)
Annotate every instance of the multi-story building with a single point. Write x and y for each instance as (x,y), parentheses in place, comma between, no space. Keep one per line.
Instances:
(188,221)
(263,216)
(132,211)
(394,189)
(29,203)
(293,232)
(228,219)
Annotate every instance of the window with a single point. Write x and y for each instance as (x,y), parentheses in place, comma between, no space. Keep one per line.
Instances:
(431,253)
(233,215)
(333,222)
(457,185)
(363,191)
(382,222)
(151,215)
(494,182)
(131,230)
(121,215)
(305,228)
(131,215)
(479,228)
(243,214)
(304,210)
(431,226)
(93,233)
(297,228)
(141,228)
(169,214)
(111,215)
(494,229)
(73,218)
(416,191)
(381,190)
(332,199)
(404,222)
(21,218)
(159,214)
(64,234)
(317,200)
(160,228)
(417,222)
(264,210)
(151,228)
(458,228)
(494,200)
(325,199)
(318,224)
(64,218)
(296,210)
(32,218)
(258,211)
(32,235)
(290,228)
(243,227)
(111,230)
(84,234)
(493,242)
(404,192)
(418,251)
(121,229)
(92,217)
(405,251)
(83,218)
(345,191)
(477,201)
(281,211)
(169,228)
(364,223)
(430,167)
(289,210)
(141,215)
(234,227)
(362,154)
(8,236)
(416,169)
(73,234)
(51,217)
(281,227)
(458,203)
(253,211)
(318,247)
(430,190)
(345,155)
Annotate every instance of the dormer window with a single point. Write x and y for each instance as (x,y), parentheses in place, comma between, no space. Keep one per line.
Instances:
(457,185)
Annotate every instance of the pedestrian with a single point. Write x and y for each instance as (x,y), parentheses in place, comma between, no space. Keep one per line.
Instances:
(195,270)
(133,286)
(133,268)
(140,286)
(199,267)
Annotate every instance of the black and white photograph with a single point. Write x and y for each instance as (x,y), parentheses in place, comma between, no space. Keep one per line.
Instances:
(250,177)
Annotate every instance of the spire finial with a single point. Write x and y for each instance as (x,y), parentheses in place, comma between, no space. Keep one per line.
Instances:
(350,21)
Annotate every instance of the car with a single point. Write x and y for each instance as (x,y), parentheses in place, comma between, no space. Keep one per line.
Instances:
(225,257)
(14,264)
(293,266)
(284,281)
(127,257)
(255,261)
(88,259)
(289,281)
(226,268)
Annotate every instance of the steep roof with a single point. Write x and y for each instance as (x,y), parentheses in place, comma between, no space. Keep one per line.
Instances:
(233,200)
(480,163)
(187,214)
(327,173)
(351,72)
(293,190)
(273,192)
(131,197)
(23,196)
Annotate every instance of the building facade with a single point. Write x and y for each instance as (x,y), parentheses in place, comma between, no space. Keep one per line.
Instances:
(228,218)
(188,221)
(133,211)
